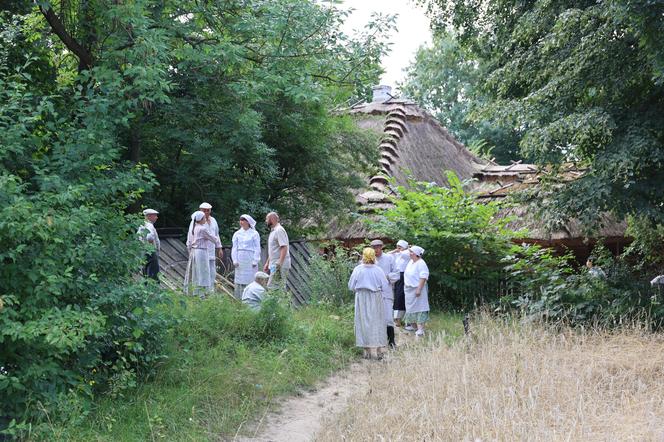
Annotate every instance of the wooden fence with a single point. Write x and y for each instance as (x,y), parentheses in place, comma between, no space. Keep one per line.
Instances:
(174,256)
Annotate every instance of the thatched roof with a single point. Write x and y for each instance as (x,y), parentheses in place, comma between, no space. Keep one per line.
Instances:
(495,182)
(415,145)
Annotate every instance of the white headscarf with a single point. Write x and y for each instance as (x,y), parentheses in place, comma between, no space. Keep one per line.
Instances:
(196,216)
(419,251)
(250,220)
(402,243)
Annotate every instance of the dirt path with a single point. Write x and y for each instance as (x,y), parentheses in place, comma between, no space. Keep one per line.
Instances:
(300,417)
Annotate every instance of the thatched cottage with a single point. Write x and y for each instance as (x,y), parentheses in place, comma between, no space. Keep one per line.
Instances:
(413,144)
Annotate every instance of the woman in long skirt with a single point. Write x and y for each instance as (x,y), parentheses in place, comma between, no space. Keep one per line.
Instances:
(246,253)
(368,282)
(416,290)
(198,279)
(401,259)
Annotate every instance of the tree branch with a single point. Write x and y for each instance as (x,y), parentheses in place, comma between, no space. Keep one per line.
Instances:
(84,56)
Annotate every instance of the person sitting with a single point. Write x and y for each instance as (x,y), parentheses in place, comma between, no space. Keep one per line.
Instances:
(253,293)
(594,271)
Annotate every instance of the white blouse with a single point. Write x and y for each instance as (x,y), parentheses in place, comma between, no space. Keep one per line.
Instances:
(369,277)
(246,241)
(414,272)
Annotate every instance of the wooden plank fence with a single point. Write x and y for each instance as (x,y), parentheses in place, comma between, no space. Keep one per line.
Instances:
(173,265)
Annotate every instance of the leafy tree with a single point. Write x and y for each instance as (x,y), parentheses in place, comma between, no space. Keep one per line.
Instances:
(74,316)
(464,240)
(244,121)
(446,79)
(584,82)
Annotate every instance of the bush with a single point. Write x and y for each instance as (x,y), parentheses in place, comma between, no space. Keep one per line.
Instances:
(464,240)
(547,286)
(76,319)
(329,275)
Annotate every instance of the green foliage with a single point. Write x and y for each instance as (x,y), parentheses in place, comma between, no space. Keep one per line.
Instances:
(76,320)
(463,238)
(645,251)
(247,88)
(329,275)
(583,82)
(226,365)
(546,286)
(446,79)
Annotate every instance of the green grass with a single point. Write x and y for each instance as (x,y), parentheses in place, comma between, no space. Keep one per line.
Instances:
(226,366)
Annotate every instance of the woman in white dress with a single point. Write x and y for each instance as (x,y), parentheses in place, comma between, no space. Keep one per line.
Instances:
(198,279)
(416,291)
(246,253)
(368,281)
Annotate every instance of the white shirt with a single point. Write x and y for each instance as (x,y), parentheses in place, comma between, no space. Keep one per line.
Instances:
(246,241)
(387,263)
(369,277)
(213,227)
(253,295)
(414,272)
(401,260)
(147,232)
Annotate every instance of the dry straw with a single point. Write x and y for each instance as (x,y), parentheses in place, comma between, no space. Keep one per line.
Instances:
(512,382)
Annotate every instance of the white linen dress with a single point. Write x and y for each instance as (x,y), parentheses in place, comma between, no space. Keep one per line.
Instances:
(246,252)
(388,264)
(199,277)
(368,281)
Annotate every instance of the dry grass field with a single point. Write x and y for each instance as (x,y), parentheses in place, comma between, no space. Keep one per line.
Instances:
(514,382)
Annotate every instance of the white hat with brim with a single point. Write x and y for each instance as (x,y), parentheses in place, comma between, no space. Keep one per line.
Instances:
(150,212)
(205,206)
(376,242)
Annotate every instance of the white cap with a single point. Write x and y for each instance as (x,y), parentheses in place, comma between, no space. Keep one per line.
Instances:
(417,250)
(376,242)
(402,243)
(205,206)
(150,212)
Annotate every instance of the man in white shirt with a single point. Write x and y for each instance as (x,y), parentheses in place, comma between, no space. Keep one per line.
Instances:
(278,261)
(388,265)
(148,233)
(213,227)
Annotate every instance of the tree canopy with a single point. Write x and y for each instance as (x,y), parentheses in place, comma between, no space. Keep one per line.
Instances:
(582,82)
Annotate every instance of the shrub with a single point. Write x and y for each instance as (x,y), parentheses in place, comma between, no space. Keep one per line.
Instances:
(329,275)
(76,318)
(464,240)
(547,286)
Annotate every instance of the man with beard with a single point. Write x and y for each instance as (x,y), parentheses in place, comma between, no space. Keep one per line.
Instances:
(278,261)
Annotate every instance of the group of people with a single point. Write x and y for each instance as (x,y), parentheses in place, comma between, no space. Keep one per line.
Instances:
(390,287)
(204,248)
(390,290)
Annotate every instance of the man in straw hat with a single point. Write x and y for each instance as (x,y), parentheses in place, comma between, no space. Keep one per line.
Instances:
(387,264)
(148,233)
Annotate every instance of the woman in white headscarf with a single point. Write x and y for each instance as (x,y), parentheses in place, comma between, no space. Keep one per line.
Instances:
(416,290)
(246,253)
(198,279)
